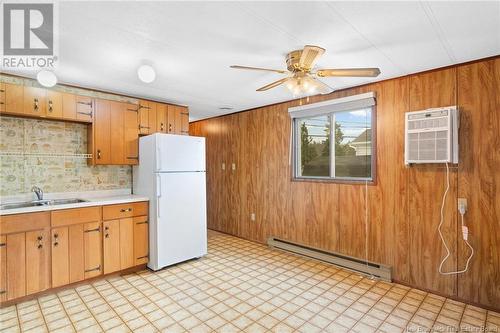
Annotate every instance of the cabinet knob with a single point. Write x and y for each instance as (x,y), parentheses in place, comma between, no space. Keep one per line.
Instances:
(170,127)
(50,106)
(39,238)
(107,235)
(123,210)
(56,235)
(40,246)
(106,228)
(56,243)
(35,104)
(98,154)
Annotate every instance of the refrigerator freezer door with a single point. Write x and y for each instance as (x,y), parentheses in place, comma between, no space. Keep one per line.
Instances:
(179,153)
(181,218)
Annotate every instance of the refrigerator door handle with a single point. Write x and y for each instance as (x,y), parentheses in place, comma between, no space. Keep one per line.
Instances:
(158,194)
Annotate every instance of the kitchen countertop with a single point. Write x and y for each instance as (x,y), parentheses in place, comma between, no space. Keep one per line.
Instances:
(90,201)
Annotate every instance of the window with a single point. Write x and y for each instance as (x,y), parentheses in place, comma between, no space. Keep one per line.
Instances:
(344,153)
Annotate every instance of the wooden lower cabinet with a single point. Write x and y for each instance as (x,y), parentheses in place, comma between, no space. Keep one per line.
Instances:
(141,240)
(16,268)
(60,256)
(3,268)
(92,239)
(39,251)
(37,261)
(111,243)
(119,244)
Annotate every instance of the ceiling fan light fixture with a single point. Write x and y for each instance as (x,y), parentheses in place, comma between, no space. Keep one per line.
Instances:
(146,73)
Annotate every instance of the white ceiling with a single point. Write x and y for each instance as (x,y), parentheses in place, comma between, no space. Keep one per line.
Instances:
(192,44)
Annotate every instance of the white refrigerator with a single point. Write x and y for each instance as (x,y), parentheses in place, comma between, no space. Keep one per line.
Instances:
(171,173)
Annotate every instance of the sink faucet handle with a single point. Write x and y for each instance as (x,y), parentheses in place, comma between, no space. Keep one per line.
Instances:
(38,191)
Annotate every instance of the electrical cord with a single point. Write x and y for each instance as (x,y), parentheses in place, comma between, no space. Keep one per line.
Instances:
(465,231)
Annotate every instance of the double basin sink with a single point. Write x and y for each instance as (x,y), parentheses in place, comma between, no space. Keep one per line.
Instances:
(37,203)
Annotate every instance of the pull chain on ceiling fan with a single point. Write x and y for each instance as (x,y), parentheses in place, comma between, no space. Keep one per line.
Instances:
(301,80)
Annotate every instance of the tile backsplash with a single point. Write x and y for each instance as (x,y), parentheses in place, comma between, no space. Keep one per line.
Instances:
(18,172)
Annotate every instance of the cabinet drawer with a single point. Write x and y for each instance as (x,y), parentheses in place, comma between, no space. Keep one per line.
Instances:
(75,216)
(24,222)
(112,212)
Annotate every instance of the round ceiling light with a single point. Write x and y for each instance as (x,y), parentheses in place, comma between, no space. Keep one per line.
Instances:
(146,73)
(46,78)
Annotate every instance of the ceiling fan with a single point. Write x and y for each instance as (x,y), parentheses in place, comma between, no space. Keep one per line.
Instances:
(302,79)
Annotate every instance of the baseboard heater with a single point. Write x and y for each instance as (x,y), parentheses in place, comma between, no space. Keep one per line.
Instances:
(357,265)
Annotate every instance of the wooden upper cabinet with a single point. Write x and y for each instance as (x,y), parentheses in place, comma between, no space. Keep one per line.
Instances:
(102,127)
(174,117)
(84,108)
(34,101)
(116,132)
(14,102)
(161,118)
(147,117)
(184,121)
(131,134)
(69,106)
(2,106)
(54,105)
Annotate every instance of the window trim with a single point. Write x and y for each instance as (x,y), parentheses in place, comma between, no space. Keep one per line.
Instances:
(339,180)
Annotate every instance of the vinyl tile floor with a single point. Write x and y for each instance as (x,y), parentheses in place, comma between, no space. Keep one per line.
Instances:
(245,286)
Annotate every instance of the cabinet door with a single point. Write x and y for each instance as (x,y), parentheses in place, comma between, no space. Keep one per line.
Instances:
(143,111)
(152,117)
(141,237)
(171,119)
(16,268)
(131,135)
(126,243)
(111,246)
(161,118)
(116,133)
(2,102)
(3,268)
(102,126)
(37,261)
(76,250)
(84,108)
(93,249)
(14,98)
(54,104)
(69,106)
(184,121)
(60,256)
(34,101)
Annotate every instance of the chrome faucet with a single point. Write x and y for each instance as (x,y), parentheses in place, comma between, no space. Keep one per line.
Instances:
(38,191)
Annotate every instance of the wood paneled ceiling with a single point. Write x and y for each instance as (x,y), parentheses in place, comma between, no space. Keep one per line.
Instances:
(192,44)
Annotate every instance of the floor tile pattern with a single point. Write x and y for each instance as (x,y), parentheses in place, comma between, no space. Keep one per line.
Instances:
(241,286)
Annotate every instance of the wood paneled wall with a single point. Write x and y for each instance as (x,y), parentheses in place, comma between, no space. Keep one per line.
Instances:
(403,205)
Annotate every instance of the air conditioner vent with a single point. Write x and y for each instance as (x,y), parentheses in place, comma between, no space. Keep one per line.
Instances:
(431,136)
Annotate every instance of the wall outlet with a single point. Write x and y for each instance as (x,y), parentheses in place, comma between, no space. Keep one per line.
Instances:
(252,217)
(462,205)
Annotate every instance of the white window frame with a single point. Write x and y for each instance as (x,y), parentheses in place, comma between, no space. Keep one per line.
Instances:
(351,103)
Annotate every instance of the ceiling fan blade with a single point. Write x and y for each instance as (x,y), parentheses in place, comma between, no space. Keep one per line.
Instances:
(310,54)
(322,87)
(259,69)
(357,72)
(273,84)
